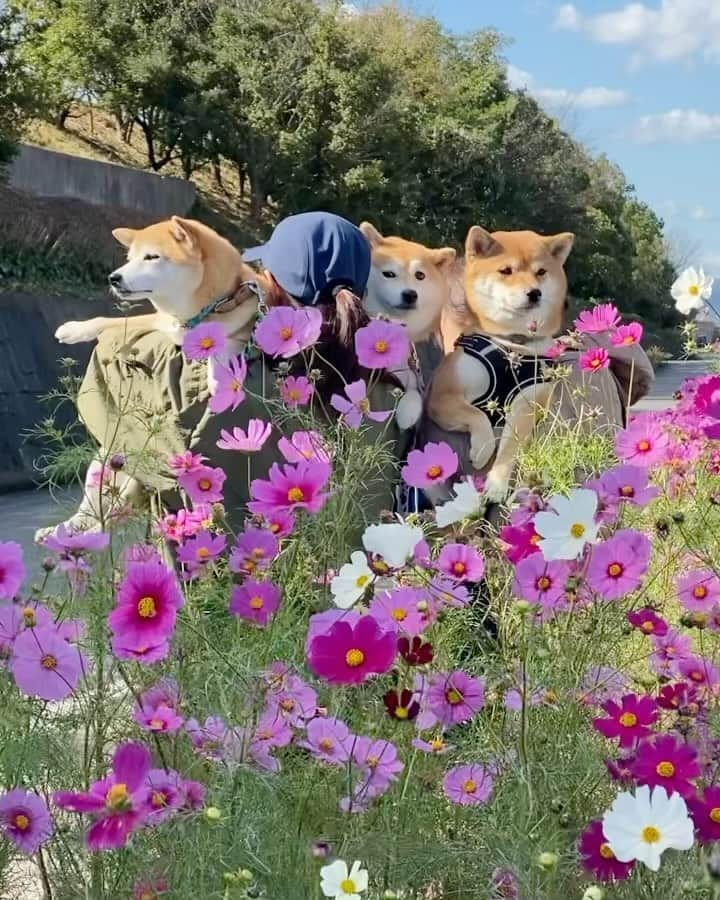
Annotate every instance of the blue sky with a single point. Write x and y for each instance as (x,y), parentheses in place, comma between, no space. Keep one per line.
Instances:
(638,81)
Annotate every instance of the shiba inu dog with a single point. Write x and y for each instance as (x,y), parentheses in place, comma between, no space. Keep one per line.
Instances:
(515,295)
(189,273)
(409,283)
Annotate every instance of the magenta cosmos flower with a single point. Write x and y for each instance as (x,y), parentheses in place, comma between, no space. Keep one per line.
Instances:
(667,762)
(648,621)
(593,360)
(25,820)
(289,488)
(203,484)
(255,550)
(44,665)
(455,697)
(520,541)
(257,434)
(461,562)
(469,785)
(618,565)
(285,331)
(382,345)
(434,464)
(328,740)
(146,605)
(349,654)
(705,812)
(305,446)
(296,391)
(255,601)
(699,591)
(598,858)
(12,569)
(629,720)
(643,442)
(187,461)
(116,801)
(603,317)
(228,393)
(627,484)
(357,405)
(205,340)
(627,335)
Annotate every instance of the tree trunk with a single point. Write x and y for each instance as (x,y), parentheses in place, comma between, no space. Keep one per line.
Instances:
(62,117)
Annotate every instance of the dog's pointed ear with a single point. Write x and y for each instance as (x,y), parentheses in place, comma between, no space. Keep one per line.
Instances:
(371,233)
(480,243)
(183,232)
(124,236)
(444,257)
(560,245)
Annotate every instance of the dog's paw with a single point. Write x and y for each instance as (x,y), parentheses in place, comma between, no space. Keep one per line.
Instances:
(42,533)
(409,410)
(497,488)
(78,332)
(480,453)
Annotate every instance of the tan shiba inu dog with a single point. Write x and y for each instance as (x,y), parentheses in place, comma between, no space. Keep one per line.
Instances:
(410,284)
(515,294)
(188,272)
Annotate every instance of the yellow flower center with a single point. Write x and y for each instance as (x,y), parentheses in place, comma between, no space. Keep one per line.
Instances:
(49,661)
(628,720)
(628,339)
(295,495)
(381,346)
(286,333)
(401,712)
(287,704)
(29,617)
(206,343)
(627,491)
(293,394)
(437,744)
(158,799)
(434,472)
(606,852)
(399,614)
(594,363)
(348,886)
(117,797)
(697,675)
(535,539)
(469,787)
(577,530)
(147,608)
(157,724)
(256,603)
(372,762)
(543,583)
(459,568)
(647,626)
(700,591)
(643,446)
(650,834)
(665,769)
(204,484)
(235,385)
(202,553)
(615,570)
(258,553)
(326,744)
(694,290)
(453,697)
(354,658)
(22,823)
(714,814)
(362,580)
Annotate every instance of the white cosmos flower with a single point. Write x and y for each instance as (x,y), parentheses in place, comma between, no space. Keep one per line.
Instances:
(644,825)
(466,502)
(691,290)
(337,882)
(565,532)
(348,586)
(394,541)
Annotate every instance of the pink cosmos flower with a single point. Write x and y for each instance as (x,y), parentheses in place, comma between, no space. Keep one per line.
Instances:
(447,592)
(629,720)
(228,393)
(669,763)
(627,484)
(618,565)
(455,697)
(436,746)
(144,654)
(357,405)
(643,442)
(468,785)
(648,621)
(434,464)
(349,654)
(461,562)
(699,591)
(382,345)
(12,569)
(162,796)
(150,890)
(292,700)
(25,820)
(603,317)
(627,335)
(165,692)
(668,650)
(201,550)
(146,605)
(296,391)
(379,764)
(290,488)
(594,359)
(44,665)
(284,331)
(699,672)
(205,340)
(258,432)
(602,683)
(64,541)
(255,601)
(183,524)
(116,801)
(539,581)
(272,731)
(279,522)
(320,624)
(186,462)
(203,485)
(160,719)
(705,812)
(397,610)
(210,738)
(520,541)
(255,550)
(598,858)
(328,740)
(305,446)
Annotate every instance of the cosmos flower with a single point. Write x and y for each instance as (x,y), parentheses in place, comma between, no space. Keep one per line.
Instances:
(328,740)
(468,785)
(466,503)
(629,720)
(255,550)
(341,883)
(461,562)
(648,621)
(296,391)
(434,464)
(258,431)
(691,289)
(351,582)
(565,531)
(382,345)
(705,811)
(627,335)
(669,763)
(25,820)
(146,605)
(205,340)
(285,331)
(203,484)
(603,317)
(455,697)
(598,858)
(394,542)
(305,446)
(289,488)
(593,360)
(255,601)
(44,665)
(617,566)
(397,610)
(227,392)
(349,654)
(699,590)
(643,442)
(356,404)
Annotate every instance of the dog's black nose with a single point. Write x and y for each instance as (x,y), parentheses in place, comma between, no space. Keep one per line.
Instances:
(115,279)
(534,296)
(409,297)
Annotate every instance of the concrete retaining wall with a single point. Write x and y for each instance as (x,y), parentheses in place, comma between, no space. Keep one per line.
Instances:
(46,173)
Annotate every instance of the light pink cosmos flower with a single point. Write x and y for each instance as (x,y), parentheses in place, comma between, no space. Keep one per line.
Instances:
(255,550)
(454,697)
(284,331)
(469,785)
(258,432)
(255,601)
(227,392)
(603,317)
(434,464)
(203,485)
(328,740)
(289,488)
(12,569)
(594,360)
(186,462)
(699,591)
(357,405)
(627,335)
(644,442)
(200,550)
(65,541)
(382,345)
(461,562)
(618,565)
(305,446)
(205,340)
(397,610)
(296,391)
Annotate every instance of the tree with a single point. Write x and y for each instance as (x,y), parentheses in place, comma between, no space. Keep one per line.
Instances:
(16,101)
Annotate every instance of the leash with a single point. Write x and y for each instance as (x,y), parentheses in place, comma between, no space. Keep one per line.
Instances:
(225,303)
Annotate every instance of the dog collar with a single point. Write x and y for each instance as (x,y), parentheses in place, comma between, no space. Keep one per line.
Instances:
(225,303)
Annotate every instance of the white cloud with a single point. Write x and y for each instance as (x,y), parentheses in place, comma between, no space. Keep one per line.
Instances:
(677,126)
(700,213)
(587,98)
(671,31)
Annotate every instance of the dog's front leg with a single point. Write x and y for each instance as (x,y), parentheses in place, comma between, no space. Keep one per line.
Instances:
(91,329)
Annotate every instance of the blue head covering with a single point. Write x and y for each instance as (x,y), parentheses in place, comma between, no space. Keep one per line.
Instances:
(311,253)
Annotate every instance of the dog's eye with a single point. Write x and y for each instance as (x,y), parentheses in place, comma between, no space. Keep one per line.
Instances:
(420,276)
(149,256)
(541,272)
(389,274)
(506,271)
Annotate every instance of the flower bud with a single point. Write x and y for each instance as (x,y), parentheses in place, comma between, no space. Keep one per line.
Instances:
(246,875)
(213,814)
(117,461)
(593,893)
(548,860)
(320,850)
(523,607)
